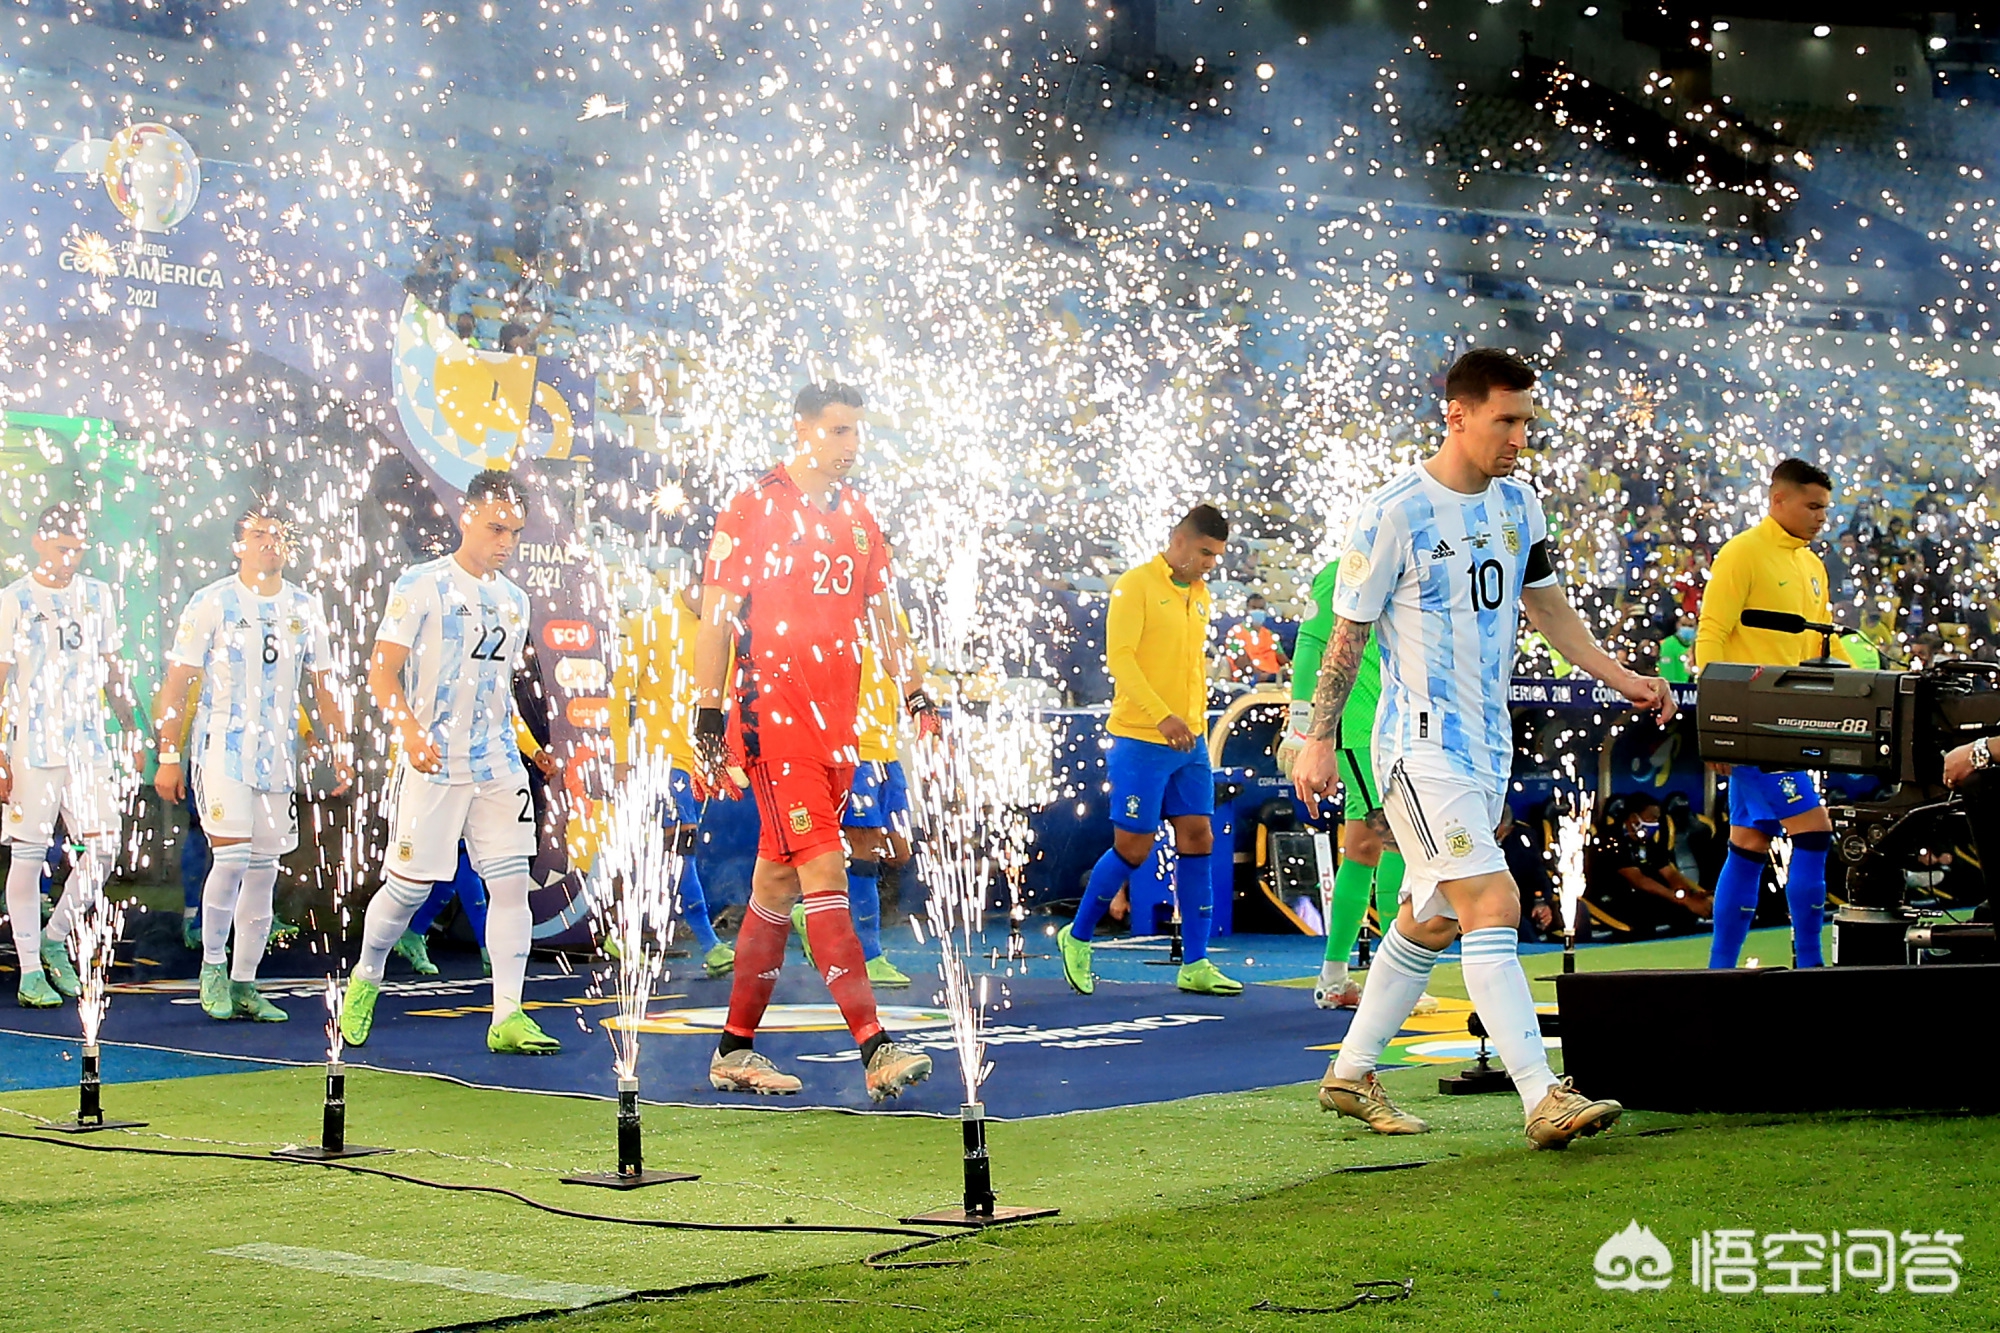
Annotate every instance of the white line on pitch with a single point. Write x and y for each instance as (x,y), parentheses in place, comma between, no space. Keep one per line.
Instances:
(507,1285)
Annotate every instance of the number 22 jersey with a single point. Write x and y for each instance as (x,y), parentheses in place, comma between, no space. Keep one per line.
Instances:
(466,636)
(1439,574)
(805,575)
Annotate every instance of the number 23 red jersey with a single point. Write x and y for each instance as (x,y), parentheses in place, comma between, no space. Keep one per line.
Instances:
(805,575)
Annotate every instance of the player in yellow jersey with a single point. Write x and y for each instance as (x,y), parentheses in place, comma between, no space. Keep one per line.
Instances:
(653,693)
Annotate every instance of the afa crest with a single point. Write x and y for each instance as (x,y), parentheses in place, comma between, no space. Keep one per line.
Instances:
(297,625)
(1457,841)
(719,549)
(801,819)
(1510,537)
(405,849)
(860,540)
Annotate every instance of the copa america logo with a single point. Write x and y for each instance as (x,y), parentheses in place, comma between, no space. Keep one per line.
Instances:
(151,173)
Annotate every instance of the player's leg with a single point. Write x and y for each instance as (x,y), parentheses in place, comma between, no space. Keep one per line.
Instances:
(1751,824)
(426,820)
(29,818)
(274,832)
(91,807)
(195,863)
(865,825)
(414,945)
(683,817)
(1188,804)
(1811,831)
(1138,772)
(500,841)
(760,948)
(230,817)
(1360,853)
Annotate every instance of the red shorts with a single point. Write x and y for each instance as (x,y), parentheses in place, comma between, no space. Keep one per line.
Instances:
(799,806)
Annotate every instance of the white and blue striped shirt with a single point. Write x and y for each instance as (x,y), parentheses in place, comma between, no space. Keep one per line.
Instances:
(1439,574)
(250,650)
(57,642)
(466,636)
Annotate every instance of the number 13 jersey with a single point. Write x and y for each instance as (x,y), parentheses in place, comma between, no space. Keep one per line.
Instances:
(805,575)
(466,636)
(56,640)
(1439,574)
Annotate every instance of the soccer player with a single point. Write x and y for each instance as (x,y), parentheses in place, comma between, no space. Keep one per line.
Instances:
(876,822)
(59,641)
(247,639)
(1156,649)
(1440,563)
(798,571)
(1770,567)
(655,673)
(1366,858)
(455,634)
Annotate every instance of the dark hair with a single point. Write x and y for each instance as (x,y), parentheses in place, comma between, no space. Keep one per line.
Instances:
(1482,370)
(1798,472)
(512,332)
(1207,521)
(256,511)
(814,399)
(495,484)
(64,518)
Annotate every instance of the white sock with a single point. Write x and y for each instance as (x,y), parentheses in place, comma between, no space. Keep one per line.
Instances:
(1332,976)
(65,909)
(510,931)
(388,916)
(1395,984)
(254,909)
(219,894)
(24,906)
(1499,991)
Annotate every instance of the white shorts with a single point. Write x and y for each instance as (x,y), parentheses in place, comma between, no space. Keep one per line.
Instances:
(88,808)
(427,819)
(230,809)
(1444,825)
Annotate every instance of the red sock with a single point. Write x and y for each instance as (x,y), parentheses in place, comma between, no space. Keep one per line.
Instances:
(760,952)
(837,950)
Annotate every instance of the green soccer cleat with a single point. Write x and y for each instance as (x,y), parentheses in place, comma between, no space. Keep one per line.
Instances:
(1202,977)
(191,932)
(486,962)
(719,961)
(282,933)
(1076,962)
(517,1034)
(882,972)
(357,1010)
(805,940)
(415,950)
(613,949)
(246,1002)
(55,961)
(215,1001)
(37,993)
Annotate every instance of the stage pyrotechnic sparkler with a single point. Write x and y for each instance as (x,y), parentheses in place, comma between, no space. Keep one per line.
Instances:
(634,886)
(1572,835)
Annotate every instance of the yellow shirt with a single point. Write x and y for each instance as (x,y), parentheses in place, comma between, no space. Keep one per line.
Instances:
(653,684)
(1771,570)
(1156,648)
(880,712)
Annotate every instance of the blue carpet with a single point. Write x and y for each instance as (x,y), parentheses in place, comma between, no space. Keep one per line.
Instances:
(1053,1051)
(50,1062)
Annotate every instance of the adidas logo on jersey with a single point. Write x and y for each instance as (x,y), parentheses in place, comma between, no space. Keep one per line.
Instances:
(461,610)
(242,624)
(1442,549)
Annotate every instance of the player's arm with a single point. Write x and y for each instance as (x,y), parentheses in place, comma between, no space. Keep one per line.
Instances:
(635,659)
(1313,769)
(118,692)
(385,687)
(1722,604)
(1836,646)
(714,647)
(1550,613)
(329,719)
(905,666)
(169,726)
(528,681)
(1124,624)
(6,773)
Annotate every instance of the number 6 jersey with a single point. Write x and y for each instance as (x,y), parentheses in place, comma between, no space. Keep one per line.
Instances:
(466,636)
(250,650)
(56,640)
(1439,574)
(805,575)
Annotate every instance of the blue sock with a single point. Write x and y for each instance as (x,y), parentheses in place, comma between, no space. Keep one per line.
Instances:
(195,861)
(864,901)
(441,893)
(1195,891)
(694,905)
(1735,905)
(1805,895)
(1106,878)
(472,901)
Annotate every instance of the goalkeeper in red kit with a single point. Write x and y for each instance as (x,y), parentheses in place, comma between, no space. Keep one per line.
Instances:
(798,579)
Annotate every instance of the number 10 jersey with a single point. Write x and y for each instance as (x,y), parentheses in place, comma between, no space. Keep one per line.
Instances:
(466,636)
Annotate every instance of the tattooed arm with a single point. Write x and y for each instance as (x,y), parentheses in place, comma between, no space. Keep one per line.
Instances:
(1314,772)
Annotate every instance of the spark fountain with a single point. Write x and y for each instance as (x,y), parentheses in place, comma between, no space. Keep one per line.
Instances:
(95,926)
(634,884)
(1571,838)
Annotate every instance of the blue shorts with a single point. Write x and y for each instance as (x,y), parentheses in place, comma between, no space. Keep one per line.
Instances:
(682,807)
(1762,800)
(879,798)
(1152,781)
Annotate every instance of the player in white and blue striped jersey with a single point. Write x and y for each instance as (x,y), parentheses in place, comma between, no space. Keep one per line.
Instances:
(1440,563)
(442,673)
(248,639)
(59,666)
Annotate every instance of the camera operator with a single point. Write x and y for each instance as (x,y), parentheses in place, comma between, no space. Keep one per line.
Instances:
(1769,567)
(1973,771)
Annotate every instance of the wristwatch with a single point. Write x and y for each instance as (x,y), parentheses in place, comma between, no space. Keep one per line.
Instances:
(1982,754)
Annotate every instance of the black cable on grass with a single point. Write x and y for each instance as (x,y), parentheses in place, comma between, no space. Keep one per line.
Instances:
(1370,1293)
(564,1311)
(874,1260)
(663,1224)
